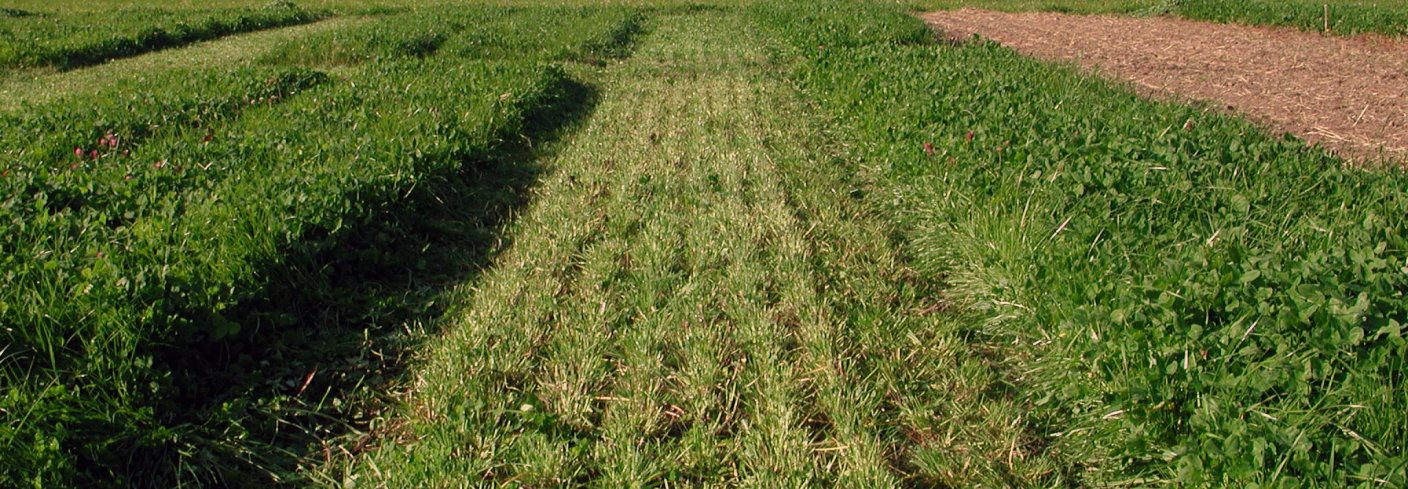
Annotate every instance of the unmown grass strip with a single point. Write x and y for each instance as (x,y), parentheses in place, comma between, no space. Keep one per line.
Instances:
(1340,17)
(589,35)
(1069,6)
(906,384)
(35,87)
(910,401)
(1172,276)
(112,122)
(64,214)
(1345,17)
(411,34)
(67,41)
(191,238)
(585,34)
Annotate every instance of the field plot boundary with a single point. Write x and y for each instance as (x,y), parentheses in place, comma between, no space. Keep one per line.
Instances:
(1346,94)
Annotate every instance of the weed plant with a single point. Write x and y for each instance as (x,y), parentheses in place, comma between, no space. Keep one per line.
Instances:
(1192,300)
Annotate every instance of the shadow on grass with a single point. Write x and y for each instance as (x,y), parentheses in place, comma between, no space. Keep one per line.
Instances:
(335,326)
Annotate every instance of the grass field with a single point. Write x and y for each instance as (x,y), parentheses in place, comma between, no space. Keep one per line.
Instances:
(663,244)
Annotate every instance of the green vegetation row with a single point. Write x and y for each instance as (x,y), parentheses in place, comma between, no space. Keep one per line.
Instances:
(78,39)
(72,189)
(140,221)
(1187,299)
(1342,16)
(547,33)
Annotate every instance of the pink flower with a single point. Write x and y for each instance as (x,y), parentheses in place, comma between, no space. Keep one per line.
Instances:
(928,148)
(969,137)
(93,154)
(78,152)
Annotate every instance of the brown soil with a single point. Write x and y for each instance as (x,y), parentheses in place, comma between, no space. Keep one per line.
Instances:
(1348,94)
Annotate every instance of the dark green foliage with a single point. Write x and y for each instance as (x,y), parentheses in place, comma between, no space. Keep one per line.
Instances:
(73,40)
(71,343)
(14,12)
(1198,302)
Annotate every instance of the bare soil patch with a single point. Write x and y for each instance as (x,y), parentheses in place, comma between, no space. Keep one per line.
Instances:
(1347,94)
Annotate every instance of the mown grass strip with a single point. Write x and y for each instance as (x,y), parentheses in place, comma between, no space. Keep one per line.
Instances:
(1173,276)
(639,310)
(692,301)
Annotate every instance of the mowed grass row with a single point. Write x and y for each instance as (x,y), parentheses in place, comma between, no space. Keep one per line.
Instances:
(700,295)
(1340,16)
(1188,299)
(186,195)
(69,40)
